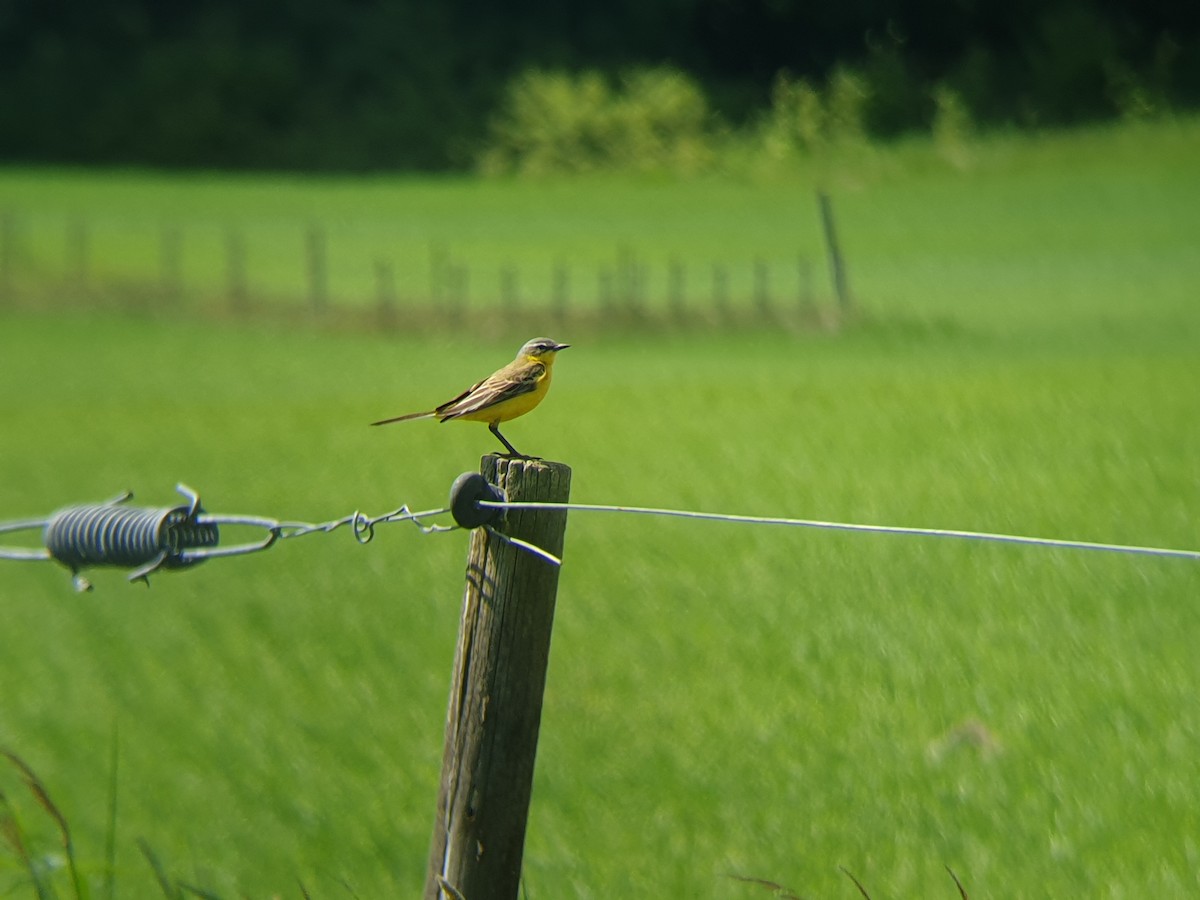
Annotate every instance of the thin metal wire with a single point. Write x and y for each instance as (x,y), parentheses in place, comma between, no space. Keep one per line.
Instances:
(524,545)
(23,555)
(23,525)
(147,539)
(362,526)
(20,553)
(180,547)
(848,526)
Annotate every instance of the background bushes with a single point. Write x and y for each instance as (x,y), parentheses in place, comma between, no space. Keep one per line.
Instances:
(302,84)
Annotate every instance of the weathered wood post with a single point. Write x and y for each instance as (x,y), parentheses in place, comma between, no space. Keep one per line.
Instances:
(560,291)
(78,252)
(496,691)
(235,271)
(385,294)
(837,265)
(8,255)
(762,288)
(318,271)
(171,262)
(510,293)
(721,292)
(676,286)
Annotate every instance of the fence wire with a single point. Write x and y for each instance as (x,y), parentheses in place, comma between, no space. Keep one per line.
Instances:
(848,526)
(148,540)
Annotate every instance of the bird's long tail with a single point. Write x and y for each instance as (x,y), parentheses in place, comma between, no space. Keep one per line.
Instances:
(420,415)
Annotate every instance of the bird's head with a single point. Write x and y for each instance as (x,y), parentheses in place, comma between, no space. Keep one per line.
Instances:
(542,349)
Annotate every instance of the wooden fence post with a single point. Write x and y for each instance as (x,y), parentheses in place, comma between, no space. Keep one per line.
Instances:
(496,691)
(78,247)
(605,282)
(805,279)
(676,287)
(762,288)
(318,272)
(8,253)
(171,261)
(560,291)
(235,271)
(385,294)
(510,293)
(721,291)
(837,266)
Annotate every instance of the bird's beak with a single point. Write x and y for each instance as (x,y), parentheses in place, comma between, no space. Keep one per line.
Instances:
(558,347)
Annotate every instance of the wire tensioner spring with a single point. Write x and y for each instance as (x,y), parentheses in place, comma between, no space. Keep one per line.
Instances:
(113,534)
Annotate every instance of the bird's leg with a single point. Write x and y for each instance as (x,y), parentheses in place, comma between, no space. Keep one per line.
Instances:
(494,427)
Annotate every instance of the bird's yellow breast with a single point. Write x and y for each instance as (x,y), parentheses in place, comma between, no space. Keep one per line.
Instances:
(517,405)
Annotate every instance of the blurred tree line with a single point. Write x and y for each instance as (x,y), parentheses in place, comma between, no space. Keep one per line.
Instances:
(404,84)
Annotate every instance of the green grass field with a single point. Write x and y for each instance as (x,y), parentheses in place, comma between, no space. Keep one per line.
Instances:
(722,700)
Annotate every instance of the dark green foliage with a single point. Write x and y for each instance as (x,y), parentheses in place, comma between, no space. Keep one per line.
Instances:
(304,85)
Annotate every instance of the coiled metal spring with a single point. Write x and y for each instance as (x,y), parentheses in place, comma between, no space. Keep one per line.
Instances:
(173,537)
(125,536)
(129,537)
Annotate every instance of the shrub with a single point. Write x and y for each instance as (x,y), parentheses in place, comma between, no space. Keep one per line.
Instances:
(796,121)
(555,122)
(847,103)
(803,121)
(951,126)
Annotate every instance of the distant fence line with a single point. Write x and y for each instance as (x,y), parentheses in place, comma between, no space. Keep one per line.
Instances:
(628,289)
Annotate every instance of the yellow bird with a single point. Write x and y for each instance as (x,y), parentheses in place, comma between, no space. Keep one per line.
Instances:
(503,395)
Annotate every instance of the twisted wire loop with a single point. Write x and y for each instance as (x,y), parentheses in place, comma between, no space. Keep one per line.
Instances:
(361,525)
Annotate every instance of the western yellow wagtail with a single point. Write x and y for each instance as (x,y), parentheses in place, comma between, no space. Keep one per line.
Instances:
(503,395)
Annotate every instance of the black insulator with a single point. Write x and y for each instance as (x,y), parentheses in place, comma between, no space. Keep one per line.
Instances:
(466,492)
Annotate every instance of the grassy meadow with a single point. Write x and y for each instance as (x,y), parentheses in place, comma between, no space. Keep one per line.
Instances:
(722,700)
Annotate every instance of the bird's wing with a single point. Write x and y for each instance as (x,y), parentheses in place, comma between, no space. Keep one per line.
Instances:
(509,382)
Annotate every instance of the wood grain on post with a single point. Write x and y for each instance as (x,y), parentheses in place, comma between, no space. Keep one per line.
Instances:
(496,691)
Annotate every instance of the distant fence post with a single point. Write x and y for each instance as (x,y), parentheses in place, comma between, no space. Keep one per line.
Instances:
(560,291)
(805,281)
(630,280)
(510,293)
(837,266)
(235,271)
(318,273)
(439,275)
(721,291)
(762,288)
(459,278)
(171,259)
(385,293)
(496,691)
(8,253)
(676,287)
(77,252)
(604,281)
